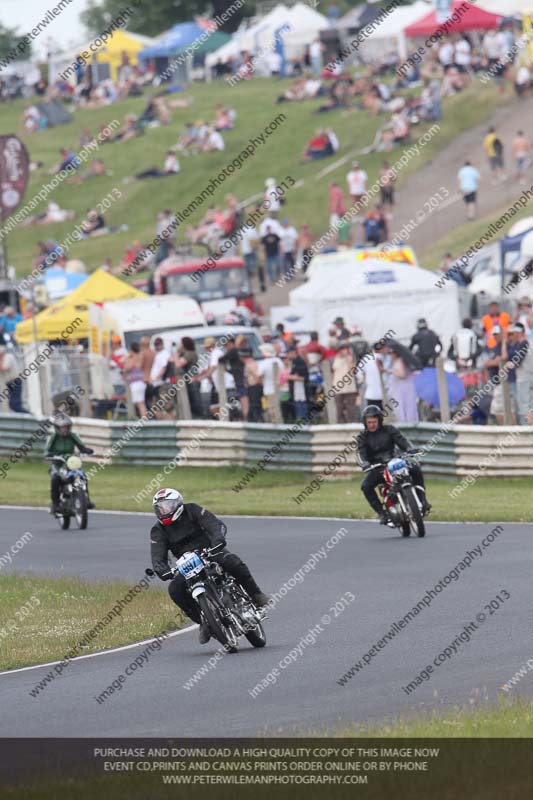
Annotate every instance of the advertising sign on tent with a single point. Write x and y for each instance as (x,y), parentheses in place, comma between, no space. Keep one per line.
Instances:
(443,9)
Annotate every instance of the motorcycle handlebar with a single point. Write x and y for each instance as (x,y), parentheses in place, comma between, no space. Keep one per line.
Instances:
(206,552)
(406,456)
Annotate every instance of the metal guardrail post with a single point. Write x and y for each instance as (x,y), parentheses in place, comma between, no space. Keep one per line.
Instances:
(275,403)
(507,405)
(183,406)
(85,382)
(444,400)
(222,391)
(331,407)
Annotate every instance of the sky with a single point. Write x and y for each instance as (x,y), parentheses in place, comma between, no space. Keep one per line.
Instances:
(65,29)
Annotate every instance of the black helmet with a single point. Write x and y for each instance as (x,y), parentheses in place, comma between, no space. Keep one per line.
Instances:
(62,423)
(372,411)
(421,324)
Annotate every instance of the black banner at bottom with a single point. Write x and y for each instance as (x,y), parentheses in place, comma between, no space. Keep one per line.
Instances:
(414,769)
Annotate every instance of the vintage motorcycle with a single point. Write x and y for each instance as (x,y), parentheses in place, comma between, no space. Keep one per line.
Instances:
(400,497)
(74,491)
(225,606)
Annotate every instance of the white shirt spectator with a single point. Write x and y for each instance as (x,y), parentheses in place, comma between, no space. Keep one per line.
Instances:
(274,62)
(8,368)
(465,344)
(332,136)
(273,224)
(311,88)
(265,368)
(503,44)
(315,49)
(171,164)
(491,46)
(369,373)
(167,221)
(160,362)
(523,76)
(249,236)
(463,53)
(214,358)
(357,180)
(289,239)
(216,142)
(446,54)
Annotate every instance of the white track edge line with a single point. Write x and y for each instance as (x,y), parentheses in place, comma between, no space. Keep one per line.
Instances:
(274,516)
(99,653)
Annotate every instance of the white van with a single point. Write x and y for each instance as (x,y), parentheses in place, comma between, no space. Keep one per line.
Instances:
(141,316)
(131,320)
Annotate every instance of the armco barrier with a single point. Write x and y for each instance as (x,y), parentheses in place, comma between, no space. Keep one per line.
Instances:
(502,451)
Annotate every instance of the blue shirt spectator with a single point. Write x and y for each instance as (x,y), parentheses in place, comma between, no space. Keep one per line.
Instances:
(9,320)
(469,179)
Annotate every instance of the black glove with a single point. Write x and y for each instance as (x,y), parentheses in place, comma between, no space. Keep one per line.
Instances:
(365,465)
(88,451)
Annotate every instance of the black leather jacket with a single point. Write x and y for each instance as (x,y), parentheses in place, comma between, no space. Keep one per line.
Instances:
(380,445)
(195,529)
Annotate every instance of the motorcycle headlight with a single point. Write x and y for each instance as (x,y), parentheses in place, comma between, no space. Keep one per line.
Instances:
(74,463)
(398,468)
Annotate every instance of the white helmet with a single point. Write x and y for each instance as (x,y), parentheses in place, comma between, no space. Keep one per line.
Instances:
(168,505)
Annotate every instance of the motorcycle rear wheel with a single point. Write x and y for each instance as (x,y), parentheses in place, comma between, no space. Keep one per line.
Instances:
(417,521)
(224,635)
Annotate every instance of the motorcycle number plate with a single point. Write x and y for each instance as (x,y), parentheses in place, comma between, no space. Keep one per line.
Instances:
(190,564)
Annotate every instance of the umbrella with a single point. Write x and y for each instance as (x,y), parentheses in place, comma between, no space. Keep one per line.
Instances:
(409,358)
(427,387)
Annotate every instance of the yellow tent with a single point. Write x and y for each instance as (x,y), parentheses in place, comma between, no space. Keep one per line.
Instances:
(69,317)
(120,42)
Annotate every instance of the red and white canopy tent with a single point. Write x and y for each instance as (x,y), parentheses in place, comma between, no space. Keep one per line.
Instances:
(472,18)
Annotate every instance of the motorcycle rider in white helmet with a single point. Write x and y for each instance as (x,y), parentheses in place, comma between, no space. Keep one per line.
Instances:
(181,527)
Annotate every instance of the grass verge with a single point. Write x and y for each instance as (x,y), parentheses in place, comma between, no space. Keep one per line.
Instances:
(485,770)
(461,238)
(68,609)
(271,493)
(256,107)
(506,719)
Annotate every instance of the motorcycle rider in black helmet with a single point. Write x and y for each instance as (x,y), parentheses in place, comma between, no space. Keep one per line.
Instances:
(62,442)
(377,444)
(181,527)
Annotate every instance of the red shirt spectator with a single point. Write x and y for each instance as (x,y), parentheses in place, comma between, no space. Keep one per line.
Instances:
(337,204)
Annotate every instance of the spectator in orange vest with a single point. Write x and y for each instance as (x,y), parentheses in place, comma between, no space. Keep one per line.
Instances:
(494,317)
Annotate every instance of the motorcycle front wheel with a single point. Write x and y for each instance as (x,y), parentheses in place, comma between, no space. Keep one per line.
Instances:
(80,509)
(64,521)
(257,637)
(226,636)
(416,519)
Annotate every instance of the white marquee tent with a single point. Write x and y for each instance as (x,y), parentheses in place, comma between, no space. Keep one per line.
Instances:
(507,8)
(379,296)
(305,25)
(388,34)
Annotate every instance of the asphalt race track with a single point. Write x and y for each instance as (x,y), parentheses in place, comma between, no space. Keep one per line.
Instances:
(387,575)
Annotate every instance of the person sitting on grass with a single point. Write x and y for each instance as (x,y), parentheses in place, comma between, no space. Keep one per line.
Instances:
(319,146)
(170,167)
